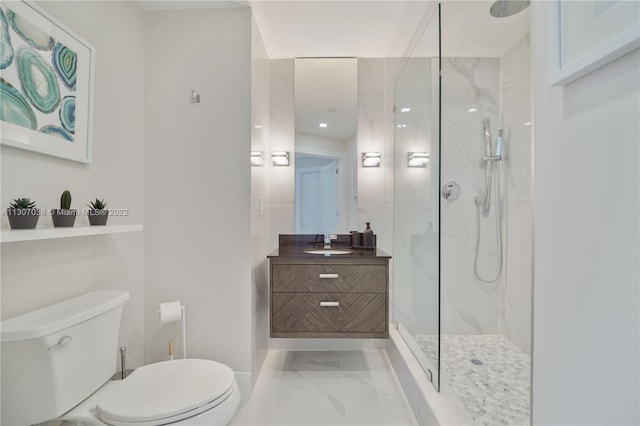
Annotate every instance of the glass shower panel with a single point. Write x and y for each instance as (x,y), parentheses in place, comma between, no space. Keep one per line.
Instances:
(416,200)
(485,233)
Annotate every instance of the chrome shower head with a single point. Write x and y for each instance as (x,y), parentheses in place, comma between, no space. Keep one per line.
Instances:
(504,8)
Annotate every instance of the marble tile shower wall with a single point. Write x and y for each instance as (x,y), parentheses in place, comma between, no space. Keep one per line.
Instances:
(375,133)
(416,196)
(499,89)
(281,138)
(468,306)
(515,293)
(376,77)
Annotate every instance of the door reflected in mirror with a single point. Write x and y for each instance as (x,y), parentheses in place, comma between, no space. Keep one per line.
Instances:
(326,109)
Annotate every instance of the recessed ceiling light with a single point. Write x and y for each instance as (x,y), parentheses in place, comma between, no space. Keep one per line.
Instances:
(472,109)
(405,109)
(528,123)
(323,124)
(401,125)
(258,126)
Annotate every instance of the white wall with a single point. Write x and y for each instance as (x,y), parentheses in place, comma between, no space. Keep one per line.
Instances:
(586,277)
(38,273)
(260,216)
(198,183)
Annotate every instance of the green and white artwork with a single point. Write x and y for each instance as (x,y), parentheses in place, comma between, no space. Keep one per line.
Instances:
(38,81)
(46,83)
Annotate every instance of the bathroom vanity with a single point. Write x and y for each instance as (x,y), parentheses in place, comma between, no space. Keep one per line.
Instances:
(328,295)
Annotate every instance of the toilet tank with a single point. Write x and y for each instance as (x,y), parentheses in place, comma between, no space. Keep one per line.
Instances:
(55,357)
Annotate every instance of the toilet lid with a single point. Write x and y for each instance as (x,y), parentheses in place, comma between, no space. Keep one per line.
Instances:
(166,390)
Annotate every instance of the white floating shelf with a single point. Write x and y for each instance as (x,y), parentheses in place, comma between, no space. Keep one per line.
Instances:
(15,235)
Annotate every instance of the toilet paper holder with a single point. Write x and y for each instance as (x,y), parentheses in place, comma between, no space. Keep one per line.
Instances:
(171,312)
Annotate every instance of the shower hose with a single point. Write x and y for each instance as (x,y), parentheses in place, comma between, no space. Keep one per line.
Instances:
(498,228)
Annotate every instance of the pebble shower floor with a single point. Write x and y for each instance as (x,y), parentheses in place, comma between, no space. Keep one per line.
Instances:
(489,375)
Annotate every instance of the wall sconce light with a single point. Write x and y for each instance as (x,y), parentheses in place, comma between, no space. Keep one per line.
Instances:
(280,158)
(257,158)
(418,159)
(371,159)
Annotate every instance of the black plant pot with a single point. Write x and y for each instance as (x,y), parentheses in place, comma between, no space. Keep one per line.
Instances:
(98,217)
(23,218)
(63,218)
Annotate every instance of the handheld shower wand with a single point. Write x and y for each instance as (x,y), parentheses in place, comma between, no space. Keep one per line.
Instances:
(486,126)
(490,158)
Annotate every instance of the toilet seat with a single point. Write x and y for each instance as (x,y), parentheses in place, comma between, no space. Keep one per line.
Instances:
(155,393)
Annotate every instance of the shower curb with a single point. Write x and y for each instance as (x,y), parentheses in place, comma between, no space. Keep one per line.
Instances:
(429,406)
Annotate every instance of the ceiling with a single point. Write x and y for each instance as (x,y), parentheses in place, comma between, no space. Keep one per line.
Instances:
(151,5)
(370,29)
(366,29)
(468,29)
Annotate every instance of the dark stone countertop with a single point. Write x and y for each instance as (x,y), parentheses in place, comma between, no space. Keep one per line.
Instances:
(294,246)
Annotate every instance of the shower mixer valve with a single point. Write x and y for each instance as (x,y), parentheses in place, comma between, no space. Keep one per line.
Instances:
(450,191)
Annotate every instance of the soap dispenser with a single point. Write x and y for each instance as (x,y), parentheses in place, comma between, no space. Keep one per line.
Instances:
(367,236)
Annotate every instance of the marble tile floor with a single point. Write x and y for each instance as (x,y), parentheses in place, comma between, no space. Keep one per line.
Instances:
(488,374)
(326,388)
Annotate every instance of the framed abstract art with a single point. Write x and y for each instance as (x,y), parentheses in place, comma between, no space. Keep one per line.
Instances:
(46,83)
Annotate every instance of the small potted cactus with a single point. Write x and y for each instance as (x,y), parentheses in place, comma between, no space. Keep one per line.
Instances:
(22,214)
(98,213)
(64,217)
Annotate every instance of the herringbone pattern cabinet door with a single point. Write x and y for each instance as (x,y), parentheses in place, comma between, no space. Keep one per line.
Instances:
(346,313)
(329,278)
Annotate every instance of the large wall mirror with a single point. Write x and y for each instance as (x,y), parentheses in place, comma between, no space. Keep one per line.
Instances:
(326,109)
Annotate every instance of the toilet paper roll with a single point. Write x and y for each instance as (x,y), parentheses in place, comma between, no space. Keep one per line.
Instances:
(170,311)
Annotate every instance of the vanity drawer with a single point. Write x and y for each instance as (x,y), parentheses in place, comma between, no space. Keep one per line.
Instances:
(311,313)
(336,278)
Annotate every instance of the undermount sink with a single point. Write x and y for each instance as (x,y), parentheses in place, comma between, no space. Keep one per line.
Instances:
(328,252)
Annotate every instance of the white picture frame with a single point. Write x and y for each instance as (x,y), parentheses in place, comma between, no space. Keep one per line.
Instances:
(585,35)
(25,24)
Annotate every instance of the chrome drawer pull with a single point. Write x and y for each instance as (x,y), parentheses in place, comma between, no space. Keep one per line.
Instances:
(328,275)
(329,303)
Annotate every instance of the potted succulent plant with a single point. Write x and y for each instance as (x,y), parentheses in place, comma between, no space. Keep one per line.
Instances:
(22,214)
(98,213)
(64,217)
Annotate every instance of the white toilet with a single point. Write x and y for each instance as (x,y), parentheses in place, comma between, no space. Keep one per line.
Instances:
(57,363)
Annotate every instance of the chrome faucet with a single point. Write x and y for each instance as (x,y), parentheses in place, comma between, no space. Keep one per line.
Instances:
(327,241)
